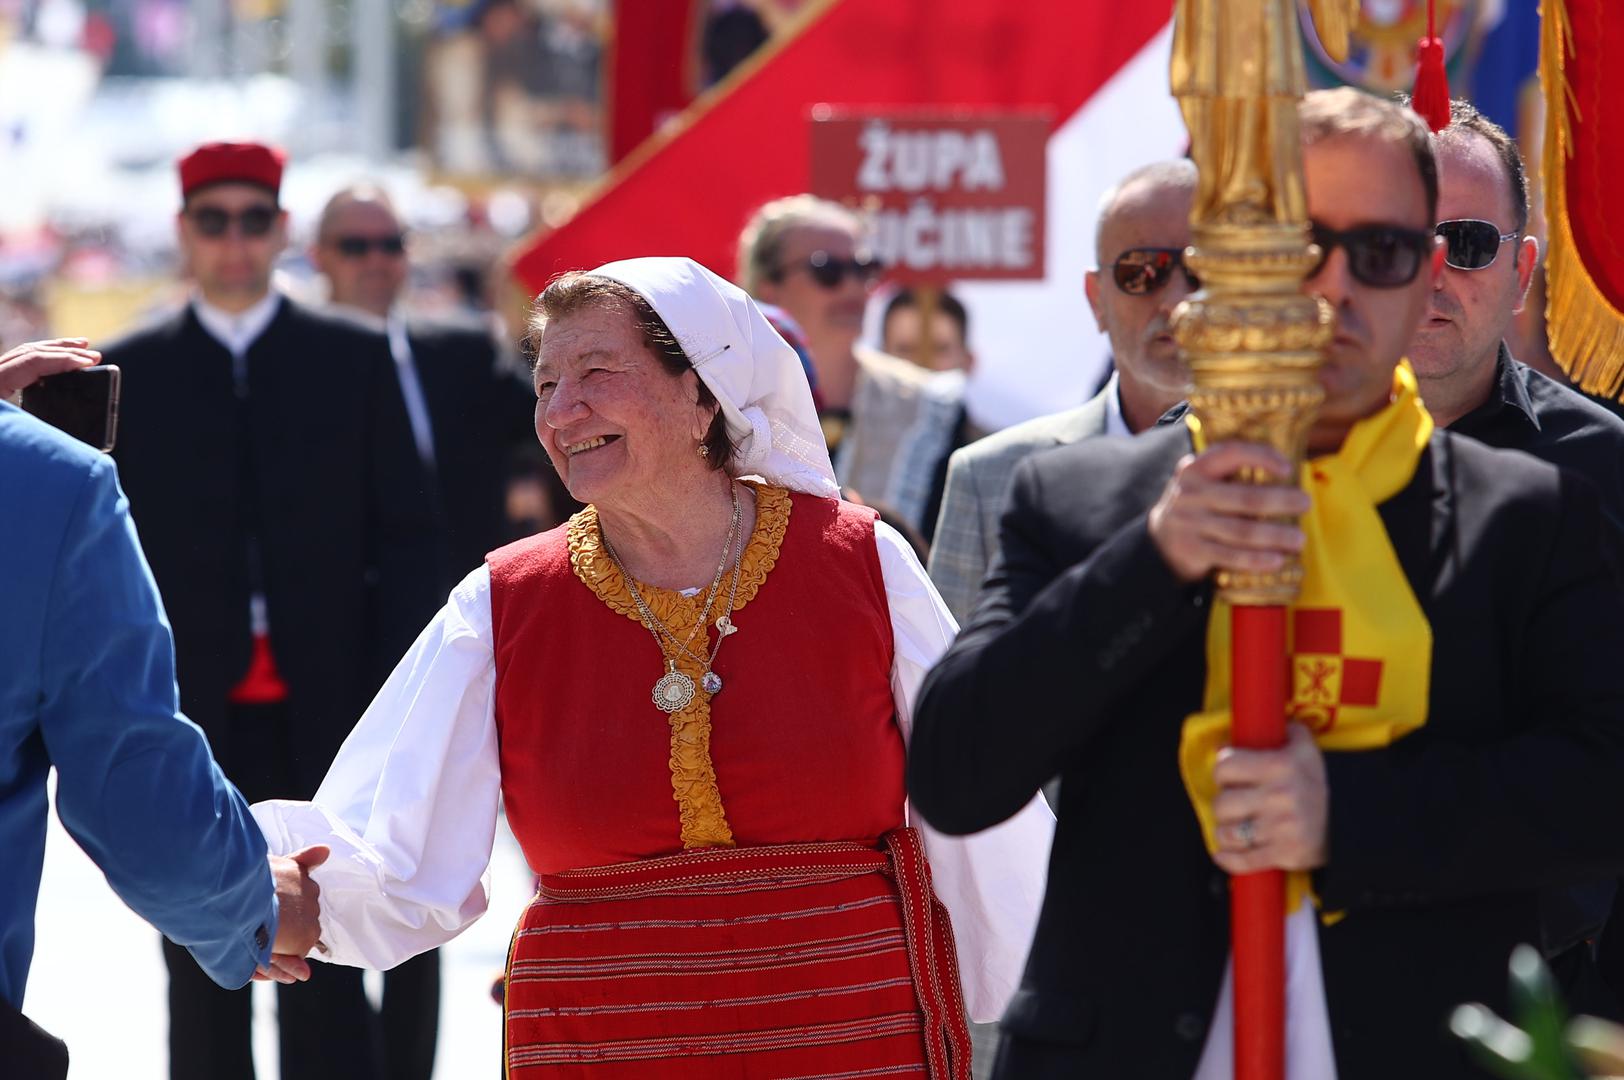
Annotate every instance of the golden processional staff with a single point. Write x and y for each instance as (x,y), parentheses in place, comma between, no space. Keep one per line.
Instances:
(1254,344)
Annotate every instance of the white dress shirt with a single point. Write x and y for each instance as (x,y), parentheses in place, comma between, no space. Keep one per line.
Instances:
(1308,1023)
(411,388)
(237,331)
(1115,422)
(409,805)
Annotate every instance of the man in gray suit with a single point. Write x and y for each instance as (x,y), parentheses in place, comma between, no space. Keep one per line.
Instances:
(1144,226)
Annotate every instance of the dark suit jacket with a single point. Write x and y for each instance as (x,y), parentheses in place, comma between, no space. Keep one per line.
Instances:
(1085,655)
(348,531)
(480,409)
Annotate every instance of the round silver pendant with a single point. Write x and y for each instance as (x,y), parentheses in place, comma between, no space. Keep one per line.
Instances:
(673,692)
(711,683)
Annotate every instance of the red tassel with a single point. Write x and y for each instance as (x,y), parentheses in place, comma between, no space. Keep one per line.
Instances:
(263,684)
(1430,98)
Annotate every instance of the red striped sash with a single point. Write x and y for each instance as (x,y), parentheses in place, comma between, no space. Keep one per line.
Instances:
(805,961)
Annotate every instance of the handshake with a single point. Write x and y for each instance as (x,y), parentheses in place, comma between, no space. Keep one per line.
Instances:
(298,925)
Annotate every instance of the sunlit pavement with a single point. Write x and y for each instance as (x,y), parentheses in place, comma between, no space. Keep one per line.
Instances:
(98,979)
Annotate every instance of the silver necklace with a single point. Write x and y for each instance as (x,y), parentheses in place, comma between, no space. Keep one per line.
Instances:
(674,690)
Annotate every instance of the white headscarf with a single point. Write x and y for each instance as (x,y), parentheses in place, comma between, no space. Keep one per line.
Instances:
(756,377)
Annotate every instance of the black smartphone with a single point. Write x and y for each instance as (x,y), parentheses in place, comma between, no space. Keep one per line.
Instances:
(83,403)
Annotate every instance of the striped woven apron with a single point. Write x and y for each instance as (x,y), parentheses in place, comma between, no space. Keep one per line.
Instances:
(802,961)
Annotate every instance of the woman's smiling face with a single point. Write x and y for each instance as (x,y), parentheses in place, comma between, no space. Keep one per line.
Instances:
(615,422)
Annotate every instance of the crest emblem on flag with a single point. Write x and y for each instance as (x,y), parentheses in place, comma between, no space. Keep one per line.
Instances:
(1381,54)
(1324,680)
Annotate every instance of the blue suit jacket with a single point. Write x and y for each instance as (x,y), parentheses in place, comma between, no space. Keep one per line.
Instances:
(87,684)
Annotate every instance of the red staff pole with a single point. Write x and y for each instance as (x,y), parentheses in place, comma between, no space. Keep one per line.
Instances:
(1257,901)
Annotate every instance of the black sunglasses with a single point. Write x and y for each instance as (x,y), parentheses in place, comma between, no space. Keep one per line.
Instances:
(1381,256)
(830,270)
(213,221)
(356,247)
(1142,271)
(1470,244)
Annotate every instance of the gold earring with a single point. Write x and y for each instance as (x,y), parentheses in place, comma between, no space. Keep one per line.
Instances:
(704,451)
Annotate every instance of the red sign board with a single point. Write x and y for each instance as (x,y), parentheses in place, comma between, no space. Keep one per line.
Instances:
(949,196)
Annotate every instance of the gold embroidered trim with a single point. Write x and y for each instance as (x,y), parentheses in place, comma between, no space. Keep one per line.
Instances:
(1586,327)
(693,775)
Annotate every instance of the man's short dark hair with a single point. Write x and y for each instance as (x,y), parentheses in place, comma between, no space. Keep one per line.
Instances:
(1465,120)
(1328,114)
(946,303)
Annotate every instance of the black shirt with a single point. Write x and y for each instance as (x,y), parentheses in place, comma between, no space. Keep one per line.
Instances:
(1536,414)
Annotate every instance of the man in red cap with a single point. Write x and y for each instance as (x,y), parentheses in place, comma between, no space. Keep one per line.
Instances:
(268,458)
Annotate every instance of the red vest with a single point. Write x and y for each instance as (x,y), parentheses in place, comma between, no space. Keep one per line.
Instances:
(803,734)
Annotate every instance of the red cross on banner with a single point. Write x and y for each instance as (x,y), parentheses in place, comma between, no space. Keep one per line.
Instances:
(1322,679)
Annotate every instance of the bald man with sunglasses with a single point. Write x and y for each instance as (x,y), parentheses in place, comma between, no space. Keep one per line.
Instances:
(471,405)
(1144,227)
(1456,593)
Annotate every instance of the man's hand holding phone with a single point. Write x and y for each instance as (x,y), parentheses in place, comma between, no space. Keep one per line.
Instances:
(33,360)
(64,383)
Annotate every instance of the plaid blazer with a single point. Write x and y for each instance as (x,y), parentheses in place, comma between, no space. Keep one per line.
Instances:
(903,423)
(978,478)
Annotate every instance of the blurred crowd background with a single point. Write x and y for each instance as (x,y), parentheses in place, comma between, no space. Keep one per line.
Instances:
(491,121)
(483,118)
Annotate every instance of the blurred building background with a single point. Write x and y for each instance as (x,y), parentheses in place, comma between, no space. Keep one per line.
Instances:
(482,117)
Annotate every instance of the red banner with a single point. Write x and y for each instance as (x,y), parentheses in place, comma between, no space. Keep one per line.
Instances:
(950,197)
(650,62)
(690,190)
(1584,154)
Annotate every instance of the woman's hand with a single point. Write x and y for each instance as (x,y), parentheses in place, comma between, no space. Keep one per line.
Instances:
(298,924)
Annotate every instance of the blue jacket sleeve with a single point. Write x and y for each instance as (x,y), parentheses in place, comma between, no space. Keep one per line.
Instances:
(136,784)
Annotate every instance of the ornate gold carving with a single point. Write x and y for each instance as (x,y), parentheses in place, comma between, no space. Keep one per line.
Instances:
(1252,341)
(1238,71)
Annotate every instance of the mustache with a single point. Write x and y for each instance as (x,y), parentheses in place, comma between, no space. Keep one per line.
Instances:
(1349,331)
(1443,304)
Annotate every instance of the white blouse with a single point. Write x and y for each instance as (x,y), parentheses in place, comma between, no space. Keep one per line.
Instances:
(409,806)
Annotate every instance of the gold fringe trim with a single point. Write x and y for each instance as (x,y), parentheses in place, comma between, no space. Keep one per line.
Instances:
(1585,328)
(693,774)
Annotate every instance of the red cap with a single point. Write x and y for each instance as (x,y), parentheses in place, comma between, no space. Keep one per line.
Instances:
(223,162)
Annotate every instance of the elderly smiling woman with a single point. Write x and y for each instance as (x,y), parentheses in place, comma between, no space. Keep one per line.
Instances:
(693,699)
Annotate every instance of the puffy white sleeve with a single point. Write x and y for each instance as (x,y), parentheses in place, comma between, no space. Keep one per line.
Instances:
(409,805)
(991,882)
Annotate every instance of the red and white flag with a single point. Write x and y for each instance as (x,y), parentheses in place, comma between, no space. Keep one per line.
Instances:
(1097,67)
